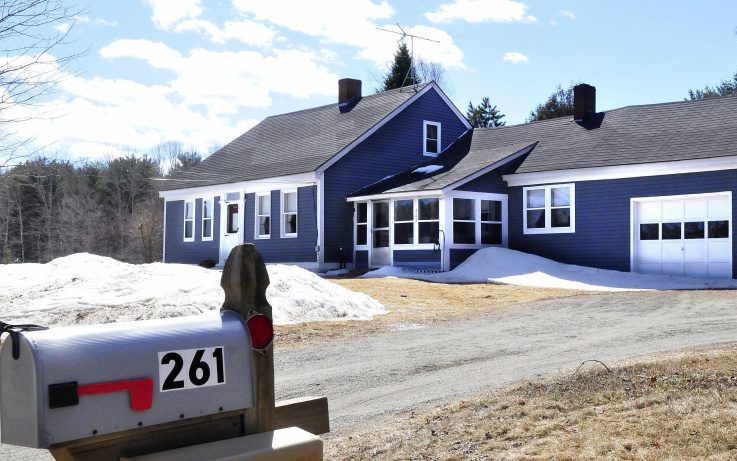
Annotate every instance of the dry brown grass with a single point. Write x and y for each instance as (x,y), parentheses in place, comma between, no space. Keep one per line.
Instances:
(415,302)
(682,407)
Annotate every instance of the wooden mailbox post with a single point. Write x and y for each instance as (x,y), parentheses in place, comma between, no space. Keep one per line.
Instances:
(244,281)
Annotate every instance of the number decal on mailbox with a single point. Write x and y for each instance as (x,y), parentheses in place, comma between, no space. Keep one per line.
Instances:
(191,368)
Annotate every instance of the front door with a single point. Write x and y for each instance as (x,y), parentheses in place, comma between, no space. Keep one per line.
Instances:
(232,211)
(380,251)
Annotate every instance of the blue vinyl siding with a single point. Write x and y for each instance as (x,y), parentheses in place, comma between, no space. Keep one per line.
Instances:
(492,181)
(362,259)
(457,256)
(179,251)
(276,249)
(602,237)
(394,147)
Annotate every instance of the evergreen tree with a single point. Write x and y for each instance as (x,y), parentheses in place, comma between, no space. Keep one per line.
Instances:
(558,104)
(399,70)
(725,88)
(484,115)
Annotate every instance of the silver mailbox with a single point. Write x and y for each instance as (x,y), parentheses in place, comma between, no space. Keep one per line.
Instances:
(78,382)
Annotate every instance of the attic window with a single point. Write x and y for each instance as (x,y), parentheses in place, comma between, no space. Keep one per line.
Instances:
(431,138)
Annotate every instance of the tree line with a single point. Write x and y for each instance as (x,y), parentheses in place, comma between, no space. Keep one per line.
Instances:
(51,208)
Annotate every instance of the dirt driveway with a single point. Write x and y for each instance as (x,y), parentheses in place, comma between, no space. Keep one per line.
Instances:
(368,378)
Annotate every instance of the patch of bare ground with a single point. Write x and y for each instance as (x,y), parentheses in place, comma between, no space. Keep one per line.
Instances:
(678,407)
(413,303)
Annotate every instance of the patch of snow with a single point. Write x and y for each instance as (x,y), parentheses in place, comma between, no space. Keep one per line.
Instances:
(337,272)
(501,265)
(84,289)
(427,169)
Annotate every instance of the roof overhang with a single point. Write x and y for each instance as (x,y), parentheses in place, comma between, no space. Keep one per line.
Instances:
(256,185)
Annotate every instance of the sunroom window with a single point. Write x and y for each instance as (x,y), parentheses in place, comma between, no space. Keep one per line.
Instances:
(189,221)
(549,209)
(491,222)
(428,223)
(361,223)
(263,215)
(464,220)
(403,222)
(289,210)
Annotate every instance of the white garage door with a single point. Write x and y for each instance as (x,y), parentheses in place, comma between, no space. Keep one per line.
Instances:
(684,235)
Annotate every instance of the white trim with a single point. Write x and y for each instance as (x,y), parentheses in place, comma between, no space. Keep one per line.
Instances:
(491,167)
(282,227)
(246,187)
(623,171)
(256,231)
(356,246)
(393,195)
(320,220)
(439,139)
(547,207)
(634,230)
(205,200)
(163,242)
(432,85)
(184,220)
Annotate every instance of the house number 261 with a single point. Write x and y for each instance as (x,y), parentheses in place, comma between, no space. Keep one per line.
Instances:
(191,368)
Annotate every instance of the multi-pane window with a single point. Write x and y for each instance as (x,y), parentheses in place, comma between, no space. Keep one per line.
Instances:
(381,224)
(263,215)
(207,206)
(491,222)
(404,222)
(464,220)
(289,209)
(189,221)
(549,209)
(431,138)
(428,222)
(361,223)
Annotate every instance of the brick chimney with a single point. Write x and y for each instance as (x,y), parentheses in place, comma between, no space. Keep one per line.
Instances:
(348,89)
(584,101)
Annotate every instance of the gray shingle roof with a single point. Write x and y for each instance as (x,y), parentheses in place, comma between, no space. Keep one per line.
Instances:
(631,135)
(460,160)
(292,143)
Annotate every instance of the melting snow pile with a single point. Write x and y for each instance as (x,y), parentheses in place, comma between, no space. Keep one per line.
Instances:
(512,267)
(84,289)
(427,169)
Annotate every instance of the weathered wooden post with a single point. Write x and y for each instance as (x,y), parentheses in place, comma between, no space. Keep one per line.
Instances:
(172,403)
(244,281)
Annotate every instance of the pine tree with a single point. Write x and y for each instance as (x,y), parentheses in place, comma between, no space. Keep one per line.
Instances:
(558,104)
(395,77)
(725,88)
(484,115)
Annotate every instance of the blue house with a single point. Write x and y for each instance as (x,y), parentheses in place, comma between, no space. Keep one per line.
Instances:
(399,178)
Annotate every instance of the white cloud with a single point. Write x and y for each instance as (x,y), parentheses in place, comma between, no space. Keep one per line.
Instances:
(156,54)
(96,21)
(481,11)
(355,25)
(515,57)
(168,12)
(245,31)
(568,14)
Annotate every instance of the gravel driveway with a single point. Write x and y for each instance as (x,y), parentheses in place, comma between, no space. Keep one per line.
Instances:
(369,378)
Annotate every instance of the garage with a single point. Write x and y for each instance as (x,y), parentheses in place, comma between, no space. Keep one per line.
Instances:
(687,235)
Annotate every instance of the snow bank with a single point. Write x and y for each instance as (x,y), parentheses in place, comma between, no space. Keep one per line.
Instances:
(84,289)
(512,267)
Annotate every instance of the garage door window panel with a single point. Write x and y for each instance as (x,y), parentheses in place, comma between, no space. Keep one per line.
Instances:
(649,232)
(718,229)
(694,230)
(671,231)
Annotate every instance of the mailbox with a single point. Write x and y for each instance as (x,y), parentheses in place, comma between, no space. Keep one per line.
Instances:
(78,382)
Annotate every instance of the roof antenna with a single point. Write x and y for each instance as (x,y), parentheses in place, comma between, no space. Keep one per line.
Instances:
(411,72)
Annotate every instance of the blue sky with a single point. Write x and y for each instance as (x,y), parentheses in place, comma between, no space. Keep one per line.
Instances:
(202,72)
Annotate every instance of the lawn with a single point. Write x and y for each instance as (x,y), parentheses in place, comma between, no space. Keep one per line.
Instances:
(413,303)
(682,406)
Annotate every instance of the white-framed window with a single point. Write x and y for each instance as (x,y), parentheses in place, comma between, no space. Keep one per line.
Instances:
(549,209)
(431,138)
(464,221)
(289,213)
(263,215)
(428,220)
(404,222)
(491,222)
(189,220)
(208,206)
(362,224)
